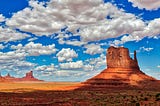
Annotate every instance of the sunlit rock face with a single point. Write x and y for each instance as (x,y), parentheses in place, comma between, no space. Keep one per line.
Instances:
(119,58)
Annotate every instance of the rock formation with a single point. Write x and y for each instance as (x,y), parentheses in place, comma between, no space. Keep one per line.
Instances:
(122,72)
(119,58)
(29,77)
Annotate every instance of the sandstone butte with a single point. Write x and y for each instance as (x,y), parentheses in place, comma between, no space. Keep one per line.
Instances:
(29,77)
(122,72)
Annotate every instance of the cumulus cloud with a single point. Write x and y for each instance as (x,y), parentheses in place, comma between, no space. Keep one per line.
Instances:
(146,49)
(45,68)
(14,61)
(98,62)
(56,15)
(75,43)
(1,46)
(87,15)
(64,39)
(35,49)
(38,49)
(146,4)
(7,34)
(11,55)
(80,69)
(2,18)
(88,67)
(93,49)
(66,55)
(72,65)
(69,75)
(151,29)
(19,46)
(32,39)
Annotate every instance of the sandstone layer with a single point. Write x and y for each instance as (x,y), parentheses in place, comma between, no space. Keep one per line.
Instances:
(122,72)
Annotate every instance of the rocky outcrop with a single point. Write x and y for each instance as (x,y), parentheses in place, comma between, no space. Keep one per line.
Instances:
(122,72)
(29,77)
(119,58)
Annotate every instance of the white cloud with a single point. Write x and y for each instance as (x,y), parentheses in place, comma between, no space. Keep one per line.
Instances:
(41,20)
(75,43)
(1,46)
(88,67)
(122,23)
(11,55)
(72,74)
(147,4)
(146,49)
(7,34)
(64,39)
(98,62)
(158,66)
(19,46)
(14,61)
(66,55)
(35,49)
(32,39)
(45,68)
(151,29)
(2,18)
(124,39)
(87,15)
(72,65)
(93,49)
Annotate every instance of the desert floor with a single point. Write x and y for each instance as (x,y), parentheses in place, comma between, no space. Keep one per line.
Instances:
(64,94)
(32,86)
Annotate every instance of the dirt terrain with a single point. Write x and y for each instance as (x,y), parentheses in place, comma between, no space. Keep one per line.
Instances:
(33,85)
(67,94)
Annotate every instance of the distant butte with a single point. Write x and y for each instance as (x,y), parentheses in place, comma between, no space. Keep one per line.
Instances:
(122,72)
(29,77)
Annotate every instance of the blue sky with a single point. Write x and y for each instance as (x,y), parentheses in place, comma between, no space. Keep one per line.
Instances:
(66,40)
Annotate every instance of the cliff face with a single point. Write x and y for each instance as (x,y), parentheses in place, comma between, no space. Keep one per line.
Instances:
(122,72)
(119,58)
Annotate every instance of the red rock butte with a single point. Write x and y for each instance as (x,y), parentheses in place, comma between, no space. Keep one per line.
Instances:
(122,72)
(29,77)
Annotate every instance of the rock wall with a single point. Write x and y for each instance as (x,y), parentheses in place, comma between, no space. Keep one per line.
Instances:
(119,58)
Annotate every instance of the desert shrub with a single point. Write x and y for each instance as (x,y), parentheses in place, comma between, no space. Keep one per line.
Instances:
(146,99)
(137,104)
(133,101)
(157,96)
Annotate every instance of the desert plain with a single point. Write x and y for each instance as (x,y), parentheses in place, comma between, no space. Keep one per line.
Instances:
(67,94)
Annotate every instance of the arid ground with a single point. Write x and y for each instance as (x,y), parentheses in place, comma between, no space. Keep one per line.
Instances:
(32,86)
(65,94)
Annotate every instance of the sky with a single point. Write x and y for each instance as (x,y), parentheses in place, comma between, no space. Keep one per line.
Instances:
(66,40)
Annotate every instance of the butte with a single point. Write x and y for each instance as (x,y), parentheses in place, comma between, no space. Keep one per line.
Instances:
(28,77)
(122,72)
